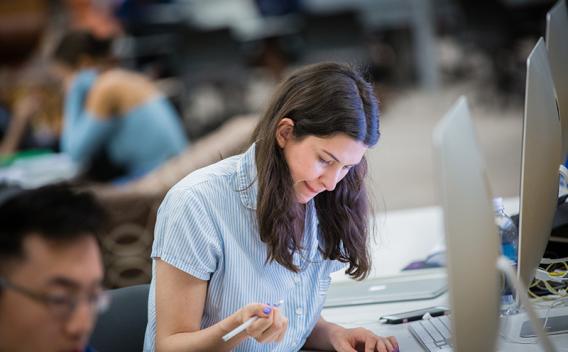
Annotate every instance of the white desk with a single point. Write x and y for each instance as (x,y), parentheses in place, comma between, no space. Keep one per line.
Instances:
(423,228)
(367,316)
(391,252)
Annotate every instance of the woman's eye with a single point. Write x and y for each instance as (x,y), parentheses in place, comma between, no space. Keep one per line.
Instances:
(326,162)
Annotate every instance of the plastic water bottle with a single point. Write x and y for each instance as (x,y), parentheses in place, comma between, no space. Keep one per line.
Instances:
(509,236)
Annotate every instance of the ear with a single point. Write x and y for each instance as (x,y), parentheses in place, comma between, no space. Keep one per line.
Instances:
(284,131)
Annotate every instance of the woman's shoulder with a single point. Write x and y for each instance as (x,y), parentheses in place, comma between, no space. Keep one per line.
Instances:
(116,91)
(119,74)
(217,177)
(121,81)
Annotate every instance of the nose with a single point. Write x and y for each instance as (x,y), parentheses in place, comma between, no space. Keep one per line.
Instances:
(81,321)
(330,178)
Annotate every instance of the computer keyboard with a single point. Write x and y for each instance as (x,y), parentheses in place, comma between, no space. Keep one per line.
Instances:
(433,334)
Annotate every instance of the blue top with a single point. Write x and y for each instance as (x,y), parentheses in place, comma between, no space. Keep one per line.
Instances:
(141,140)
(206,227)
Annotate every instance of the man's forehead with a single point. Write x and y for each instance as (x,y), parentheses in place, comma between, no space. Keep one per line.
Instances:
(62,264)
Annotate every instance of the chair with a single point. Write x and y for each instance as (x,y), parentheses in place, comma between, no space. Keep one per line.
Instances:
(123,325)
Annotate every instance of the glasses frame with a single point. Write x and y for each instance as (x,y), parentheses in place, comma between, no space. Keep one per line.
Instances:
(98,305)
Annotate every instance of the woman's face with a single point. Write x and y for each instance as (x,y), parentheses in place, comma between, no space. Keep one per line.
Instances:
(317,164)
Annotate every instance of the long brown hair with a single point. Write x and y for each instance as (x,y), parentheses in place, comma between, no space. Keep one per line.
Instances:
(322,100)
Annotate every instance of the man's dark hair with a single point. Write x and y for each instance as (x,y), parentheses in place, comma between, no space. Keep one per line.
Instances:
(56,213)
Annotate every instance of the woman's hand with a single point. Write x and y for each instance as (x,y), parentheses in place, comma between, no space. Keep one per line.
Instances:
(271,325)
(360,339)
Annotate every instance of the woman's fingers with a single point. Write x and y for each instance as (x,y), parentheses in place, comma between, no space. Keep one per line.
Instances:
(257,328)
(344,346)
(275,330)
(394,343)
(372,343)
(280,337)
(270,326)
(381,344)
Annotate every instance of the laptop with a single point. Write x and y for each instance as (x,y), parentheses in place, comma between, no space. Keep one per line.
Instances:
(406,286)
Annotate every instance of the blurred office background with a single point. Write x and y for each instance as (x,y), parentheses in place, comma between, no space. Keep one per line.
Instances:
(219,58)
(216,59)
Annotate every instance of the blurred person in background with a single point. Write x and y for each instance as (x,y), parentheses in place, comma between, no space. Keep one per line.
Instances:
(30,99)
(31,118)
(51,270)
(23,124)
(115,121)
(94,16)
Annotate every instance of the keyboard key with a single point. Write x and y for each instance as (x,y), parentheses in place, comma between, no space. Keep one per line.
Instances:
(433,334)
(421,332)
(442,328)
(429,327)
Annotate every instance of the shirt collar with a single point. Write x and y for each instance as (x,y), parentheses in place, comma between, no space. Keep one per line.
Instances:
(247,181)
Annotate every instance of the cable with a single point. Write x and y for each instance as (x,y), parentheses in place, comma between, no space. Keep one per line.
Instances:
(564,263)
(506,267)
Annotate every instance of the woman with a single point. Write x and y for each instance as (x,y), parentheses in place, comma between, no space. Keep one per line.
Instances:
(114,112)
(271,225)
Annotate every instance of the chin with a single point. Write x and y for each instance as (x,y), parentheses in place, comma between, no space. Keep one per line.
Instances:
(303,199)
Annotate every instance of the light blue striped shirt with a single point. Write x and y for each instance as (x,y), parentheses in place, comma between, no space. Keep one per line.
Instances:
(206,227)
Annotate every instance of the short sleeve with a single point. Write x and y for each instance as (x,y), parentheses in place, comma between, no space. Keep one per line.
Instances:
(186,235)
(84,136)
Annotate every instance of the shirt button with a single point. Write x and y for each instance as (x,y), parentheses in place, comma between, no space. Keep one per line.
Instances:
(299,311)
(296,280)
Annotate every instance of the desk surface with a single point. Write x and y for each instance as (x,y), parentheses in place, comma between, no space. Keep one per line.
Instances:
(367,316)
(423,228)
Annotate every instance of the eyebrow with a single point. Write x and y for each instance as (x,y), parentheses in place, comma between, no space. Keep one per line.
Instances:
(64,282)
(335,158)
(68,283)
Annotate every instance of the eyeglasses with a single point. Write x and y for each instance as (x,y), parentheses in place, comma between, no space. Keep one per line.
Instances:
(62,306)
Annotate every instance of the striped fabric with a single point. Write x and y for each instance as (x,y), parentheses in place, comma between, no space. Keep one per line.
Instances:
(206,227)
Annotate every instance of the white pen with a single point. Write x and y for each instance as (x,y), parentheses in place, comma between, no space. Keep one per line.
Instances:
(245,325)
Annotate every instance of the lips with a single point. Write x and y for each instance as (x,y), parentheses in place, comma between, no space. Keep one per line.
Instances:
(311,189)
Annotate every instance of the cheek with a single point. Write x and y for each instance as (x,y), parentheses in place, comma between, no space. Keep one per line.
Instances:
(306,172)
(19,317)
(302,168)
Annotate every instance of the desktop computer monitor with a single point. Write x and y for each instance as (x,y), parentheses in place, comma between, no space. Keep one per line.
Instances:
(557,45)
(541,157)
(472,239)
